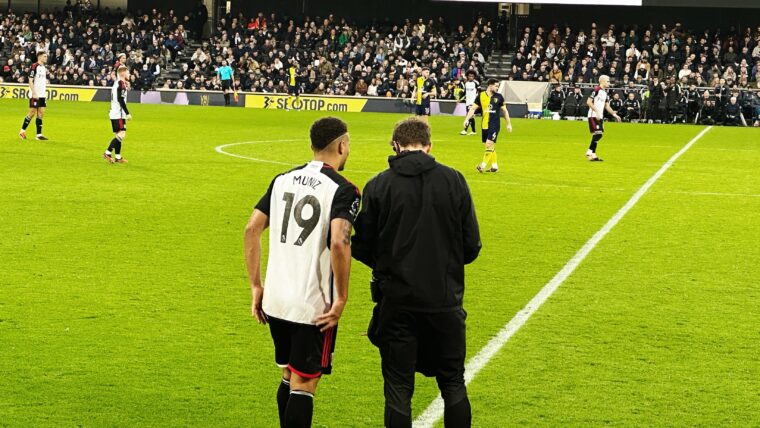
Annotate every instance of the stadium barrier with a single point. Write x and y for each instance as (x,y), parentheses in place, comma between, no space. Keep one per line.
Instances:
(326,103)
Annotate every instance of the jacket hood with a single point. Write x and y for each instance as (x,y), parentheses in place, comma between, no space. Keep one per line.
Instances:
(411,163)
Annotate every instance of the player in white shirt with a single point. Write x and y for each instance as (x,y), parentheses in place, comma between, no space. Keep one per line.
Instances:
(37,92)
(119,115)
(597,102)
(310,212)
(470,95)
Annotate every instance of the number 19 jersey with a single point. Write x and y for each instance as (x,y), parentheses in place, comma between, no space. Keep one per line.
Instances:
(300,204)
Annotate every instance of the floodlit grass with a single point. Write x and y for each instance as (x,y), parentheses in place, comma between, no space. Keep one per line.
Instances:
(124,299)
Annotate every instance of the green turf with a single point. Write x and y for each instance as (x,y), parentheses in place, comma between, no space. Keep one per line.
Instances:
(124,299)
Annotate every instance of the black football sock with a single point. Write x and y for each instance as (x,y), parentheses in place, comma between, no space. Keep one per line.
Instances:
(458,416)
(226,99)
(299,410)
(112,145)
(27,120)
(594,140)
(39,126)
(283,393)
(117,146)
(472,124)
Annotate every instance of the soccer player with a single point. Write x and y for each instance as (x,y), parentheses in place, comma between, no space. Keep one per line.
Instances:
(225,75)
(470,94)
(417,229)
(310,212)
(424,89)
(119,114)
(597,102)
(37,92)
(491,103)
(293,88)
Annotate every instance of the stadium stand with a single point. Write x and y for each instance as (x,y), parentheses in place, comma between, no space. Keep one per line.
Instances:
(332,56)
(669,74)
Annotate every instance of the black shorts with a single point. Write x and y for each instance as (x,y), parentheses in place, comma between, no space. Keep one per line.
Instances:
(422,110)
(302,348)
(118,125)
(226,85)
(37,103)
(294,90)
(489,134)
(595,126)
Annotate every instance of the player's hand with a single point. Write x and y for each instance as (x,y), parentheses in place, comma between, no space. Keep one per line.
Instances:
(330,319)
(256,310)
(129,117)
(617,118)
(509,128)
(466,122)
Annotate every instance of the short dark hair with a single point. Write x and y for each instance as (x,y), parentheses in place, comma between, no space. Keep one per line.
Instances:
(324,131)
(492,81)
(40,53)
(412,131)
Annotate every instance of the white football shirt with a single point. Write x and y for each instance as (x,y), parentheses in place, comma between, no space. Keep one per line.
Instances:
(118,93)
(39,74)
(470,92)
(301,204)
(600,98)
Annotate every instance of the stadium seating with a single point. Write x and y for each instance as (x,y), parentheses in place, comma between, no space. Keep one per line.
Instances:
(332,55)
(668,69)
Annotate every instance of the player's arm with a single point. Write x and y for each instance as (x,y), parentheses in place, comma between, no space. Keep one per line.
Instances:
(121,95)
(253,231)
(342,216)
(611,111)
(31,85)
(340,259)
(505,113)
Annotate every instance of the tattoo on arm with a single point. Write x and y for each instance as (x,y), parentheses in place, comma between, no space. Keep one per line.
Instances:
(346,233)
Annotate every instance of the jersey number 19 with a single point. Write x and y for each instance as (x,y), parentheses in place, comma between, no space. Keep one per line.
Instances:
(307,224)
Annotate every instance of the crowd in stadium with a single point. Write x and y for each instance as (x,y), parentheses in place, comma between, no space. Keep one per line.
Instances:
(330,55)
(662,74)
(83,44)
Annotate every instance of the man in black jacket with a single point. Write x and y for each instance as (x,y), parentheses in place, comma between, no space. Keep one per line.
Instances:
(417,229)
(556,99)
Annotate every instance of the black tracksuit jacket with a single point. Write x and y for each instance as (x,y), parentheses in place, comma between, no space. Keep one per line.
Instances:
(417,230)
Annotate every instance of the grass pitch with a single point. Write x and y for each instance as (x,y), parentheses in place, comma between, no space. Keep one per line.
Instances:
(124,299)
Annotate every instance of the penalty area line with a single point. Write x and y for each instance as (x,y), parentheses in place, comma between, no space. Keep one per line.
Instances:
(434,411)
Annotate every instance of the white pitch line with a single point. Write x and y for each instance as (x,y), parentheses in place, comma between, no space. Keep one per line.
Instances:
(435,410)
(220,149)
